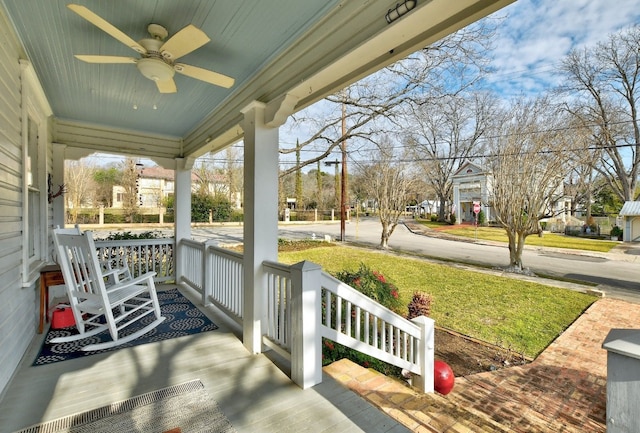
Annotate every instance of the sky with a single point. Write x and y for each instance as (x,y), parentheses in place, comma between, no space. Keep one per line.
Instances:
(536,34)
(531,40)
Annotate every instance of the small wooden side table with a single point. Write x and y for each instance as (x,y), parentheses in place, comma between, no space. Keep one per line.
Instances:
(50,275)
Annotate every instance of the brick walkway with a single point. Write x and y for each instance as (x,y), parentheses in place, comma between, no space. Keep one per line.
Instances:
(563,390)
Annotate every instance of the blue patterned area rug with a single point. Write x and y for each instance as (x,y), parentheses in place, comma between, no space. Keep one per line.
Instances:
(182,318)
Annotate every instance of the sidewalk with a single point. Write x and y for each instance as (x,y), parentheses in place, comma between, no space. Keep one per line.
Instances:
(564,389)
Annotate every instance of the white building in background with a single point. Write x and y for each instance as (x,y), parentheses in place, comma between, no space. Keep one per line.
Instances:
(471,183)
(155,184)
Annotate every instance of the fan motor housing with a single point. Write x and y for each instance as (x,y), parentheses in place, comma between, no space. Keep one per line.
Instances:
(155,69)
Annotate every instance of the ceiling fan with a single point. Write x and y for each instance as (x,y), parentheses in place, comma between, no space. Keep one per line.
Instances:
(157,56)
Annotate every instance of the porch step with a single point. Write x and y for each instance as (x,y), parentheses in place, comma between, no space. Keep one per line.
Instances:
(426,413)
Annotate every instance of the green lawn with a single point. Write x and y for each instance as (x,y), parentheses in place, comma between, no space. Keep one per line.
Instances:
(512,313)
(547,240)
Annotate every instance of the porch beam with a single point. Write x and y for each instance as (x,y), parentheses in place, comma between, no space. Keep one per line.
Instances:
(260,217)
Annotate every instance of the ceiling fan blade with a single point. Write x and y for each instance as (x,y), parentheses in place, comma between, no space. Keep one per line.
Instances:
(106,27)
(105,59)
(204,75)
(186,40)
(167,86)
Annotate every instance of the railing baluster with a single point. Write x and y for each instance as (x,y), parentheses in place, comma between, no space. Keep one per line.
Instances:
(367,329)
(358,335)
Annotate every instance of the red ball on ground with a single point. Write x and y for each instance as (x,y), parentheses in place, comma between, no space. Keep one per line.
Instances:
(443,378)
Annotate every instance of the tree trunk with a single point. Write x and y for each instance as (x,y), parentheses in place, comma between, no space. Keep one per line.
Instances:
(384,236)
(516,246)
(441,216)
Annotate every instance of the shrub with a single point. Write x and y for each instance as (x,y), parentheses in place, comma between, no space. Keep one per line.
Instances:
(121,236)
(420,305)
(433,217)
(374,285)
(452,218)
(482,218)
(616,231)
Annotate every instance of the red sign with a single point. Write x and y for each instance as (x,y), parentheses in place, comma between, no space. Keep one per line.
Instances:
(476,208)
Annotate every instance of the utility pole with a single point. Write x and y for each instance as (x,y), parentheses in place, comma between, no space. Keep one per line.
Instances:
(343,175)
(343,189)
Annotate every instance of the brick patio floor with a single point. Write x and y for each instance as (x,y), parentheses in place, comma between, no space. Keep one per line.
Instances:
(563,390)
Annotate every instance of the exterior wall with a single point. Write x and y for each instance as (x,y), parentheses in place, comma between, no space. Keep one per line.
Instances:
(631,229)
(17,315)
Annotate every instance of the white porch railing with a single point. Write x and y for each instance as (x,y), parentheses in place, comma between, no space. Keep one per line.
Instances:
(141,255)
(216,273)
(360,323)
(192,255)
(348,318)
(302,304)
(277,328)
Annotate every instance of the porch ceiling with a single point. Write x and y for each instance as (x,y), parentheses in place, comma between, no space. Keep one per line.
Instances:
(278,51)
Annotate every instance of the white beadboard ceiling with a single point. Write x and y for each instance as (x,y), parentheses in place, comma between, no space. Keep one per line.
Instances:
(304,48)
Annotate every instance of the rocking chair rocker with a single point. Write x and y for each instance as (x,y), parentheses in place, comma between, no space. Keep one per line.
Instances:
(100,302)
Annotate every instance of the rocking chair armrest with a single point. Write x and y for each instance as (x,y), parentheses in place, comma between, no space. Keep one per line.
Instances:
(113,271)
(132,282)
(109,269)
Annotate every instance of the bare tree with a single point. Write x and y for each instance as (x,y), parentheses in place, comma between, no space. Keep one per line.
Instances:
(233,173)
(78,178)
(446,67)
(390,183)
(584,157)
(209,176)
(445,134)
(528,167)
(129,180)
(602,83)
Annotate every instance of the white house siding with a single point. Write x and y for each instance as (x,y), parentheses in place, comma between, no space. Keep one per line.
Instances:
(630,213)
(17,304)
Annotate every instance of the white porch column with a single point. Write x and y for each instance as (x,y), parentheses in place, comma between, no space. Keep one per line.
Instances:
(182,209)
(260,217)
(456,203)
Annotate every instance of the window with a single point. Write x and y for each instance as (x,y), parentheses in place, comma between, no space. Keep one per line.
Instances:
(33,184)
(35,111)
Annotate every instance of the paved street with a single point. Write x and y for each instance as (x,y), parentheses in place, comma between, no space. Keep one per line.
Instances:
(617,273)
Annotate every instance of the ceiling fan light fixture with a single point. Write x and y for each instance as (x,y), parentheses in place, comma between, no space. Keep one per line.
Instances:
(155,69)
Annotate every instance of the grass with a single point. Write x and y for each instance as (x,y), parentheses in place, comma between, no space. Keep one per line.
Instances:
(520,315)
(547,240)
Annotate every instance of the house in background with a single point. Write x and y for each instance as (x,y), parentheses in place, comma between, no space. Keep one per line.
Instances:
(156,184)
(630,214)
(471,184)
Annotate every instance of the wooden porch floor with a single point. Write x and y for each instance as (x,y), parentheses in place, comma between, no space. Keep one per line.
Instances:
(252,392)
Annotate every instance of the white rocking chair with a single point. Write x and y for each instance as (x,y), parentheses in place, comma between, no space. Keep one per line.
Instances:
(98,301)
